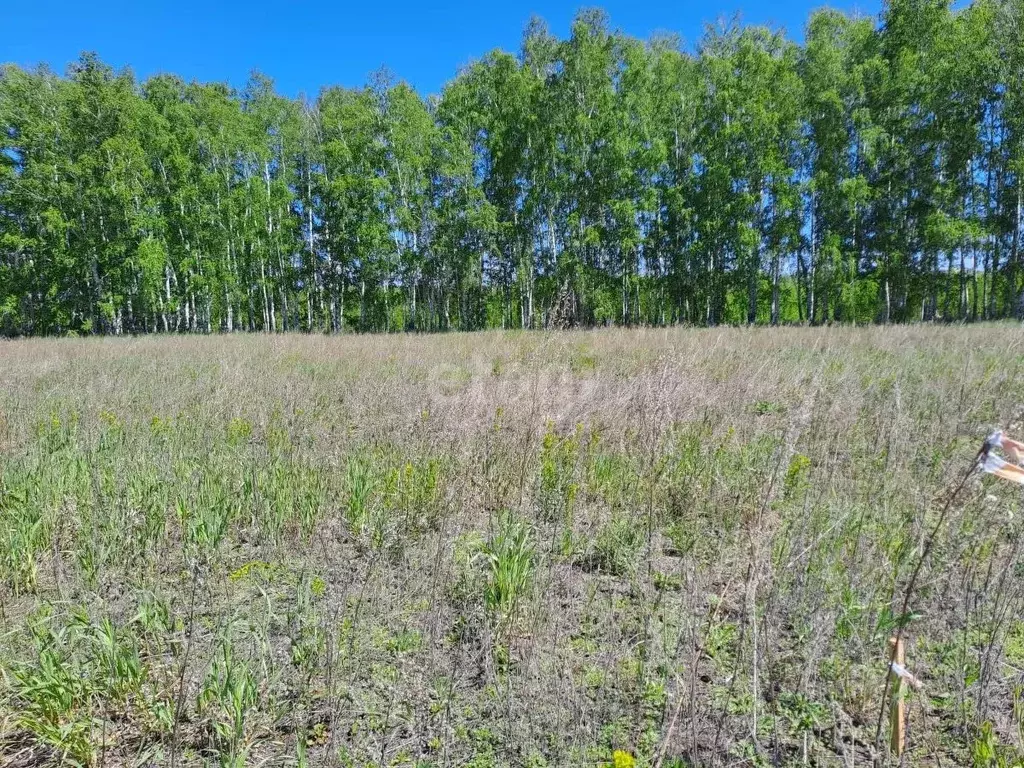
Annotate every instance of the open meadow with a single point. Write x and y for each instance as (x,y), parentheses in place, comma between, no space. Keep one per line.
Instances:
(622,547)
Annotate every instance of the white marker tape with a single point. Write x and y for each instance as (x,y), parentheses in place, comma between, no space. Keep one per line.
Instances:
(899,669)
(999,467)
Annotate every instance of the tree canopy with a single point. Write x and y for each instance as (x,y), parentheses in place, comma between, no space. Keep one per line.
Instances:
(873,173)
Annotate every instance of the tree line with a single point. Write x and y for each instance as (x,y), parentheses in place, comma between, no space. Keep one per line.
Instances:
(873,173)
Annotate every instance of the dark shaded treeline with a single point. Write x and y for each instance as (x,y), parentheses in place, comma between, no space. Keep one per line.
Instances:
(872,174)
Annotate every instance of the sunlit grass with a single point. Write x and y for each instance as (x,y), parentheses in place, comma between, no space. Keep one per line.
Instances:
(648,546)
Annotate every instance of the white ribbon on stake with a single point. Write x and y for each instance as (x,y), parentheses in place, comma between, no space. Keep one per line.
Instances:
(899,669)
(999,467)
(994,465)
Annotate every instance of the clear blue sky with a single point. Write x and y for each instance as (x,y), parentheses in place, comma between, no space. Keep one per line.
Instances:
(305,45)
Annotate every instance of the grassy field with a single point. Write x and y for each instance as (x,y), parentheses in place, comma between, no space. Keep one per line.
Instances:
(649,548)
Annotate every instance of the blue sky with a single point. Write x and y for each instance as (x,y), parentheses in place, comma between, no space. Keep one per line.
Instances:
(305,45)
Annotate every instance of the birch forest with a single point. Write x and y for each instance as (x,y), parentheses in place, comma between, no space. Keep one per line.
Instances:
(872,172)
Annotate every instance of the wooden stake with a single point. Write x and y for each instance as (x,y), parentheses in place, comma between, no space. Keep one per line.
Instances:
(897,716)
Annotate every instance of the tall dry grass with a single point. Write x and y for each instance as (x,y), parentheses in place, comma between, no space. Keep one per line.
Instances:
(683,547)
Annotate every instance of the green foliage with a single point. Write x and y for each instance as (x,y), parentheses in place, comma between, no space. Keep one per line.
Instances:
(796,474)
(24,535)
(360,483)
(617,546)
(558,459)
(81,673)
(226,697)
(509,560)
(850,178)
(802,714)
(239,430)
(988,752)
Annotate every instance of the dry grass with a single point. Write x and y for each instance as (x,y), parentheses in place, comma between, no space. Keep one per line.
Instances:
(506,549)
